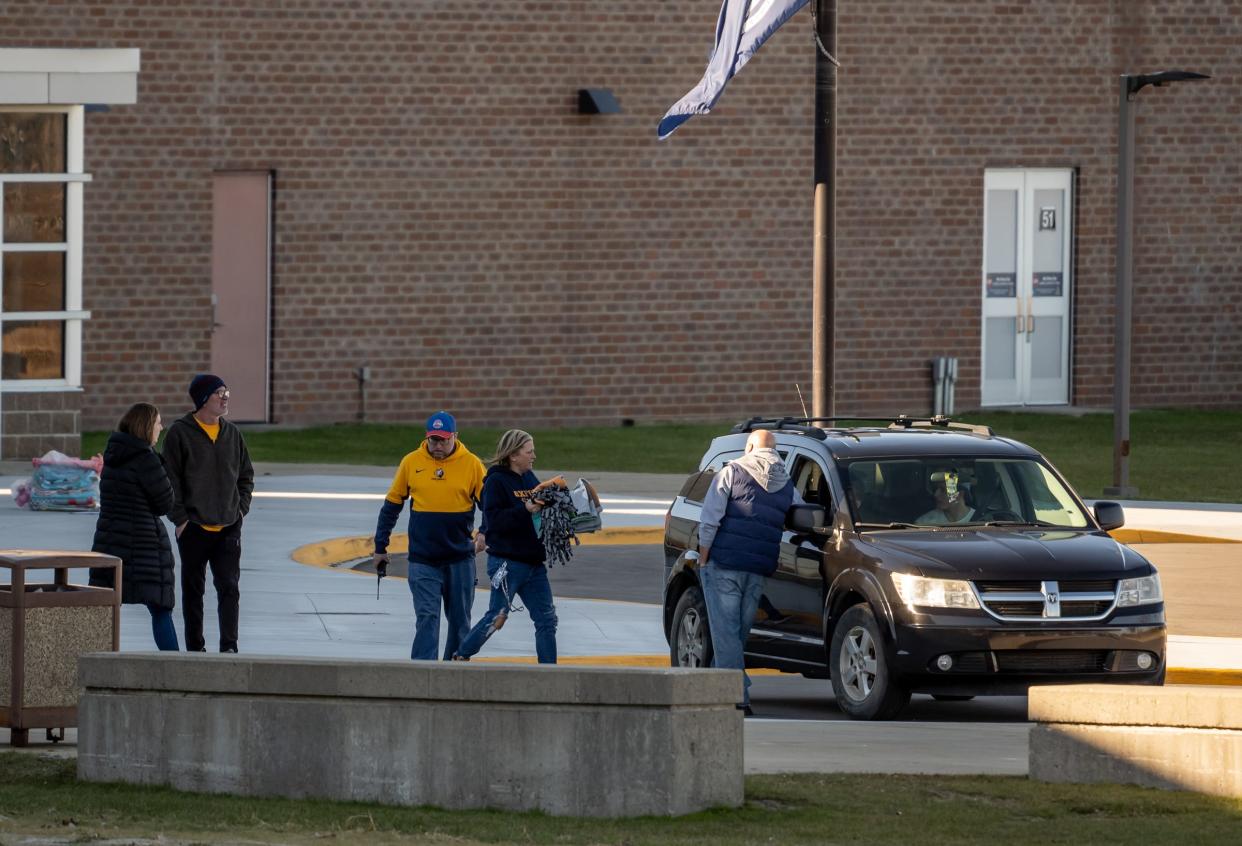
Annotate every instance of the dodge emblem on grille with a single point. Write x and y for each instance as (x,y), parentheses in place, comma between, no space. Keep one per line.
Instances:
(1052,599)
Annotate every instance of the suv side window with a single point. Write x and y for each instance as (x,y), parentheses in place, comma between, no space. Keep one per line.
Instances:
(696,486)
(811,481)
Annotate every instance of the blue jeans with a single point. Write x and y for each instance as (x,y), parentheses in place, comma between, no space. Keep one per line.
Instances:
(162,628)
(732,599)
(452,584)
(531,585)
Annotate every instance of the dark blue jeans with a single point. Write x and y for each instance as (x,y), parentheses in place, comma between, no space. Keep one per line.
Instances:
(732,600)
(452,584)
(162,628)
(530,583)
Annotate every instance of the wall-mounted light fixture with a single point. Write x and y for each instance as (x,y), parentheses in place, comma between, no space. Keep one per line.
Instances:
(597,101)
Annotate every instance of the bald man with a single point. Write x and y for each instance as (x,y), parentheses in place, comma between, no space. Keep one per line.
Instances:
(740,531)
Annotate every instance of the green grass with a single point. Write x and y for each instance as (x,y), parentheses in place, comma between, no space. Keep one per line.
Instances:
(39,797)
(1176,455)
(656,448)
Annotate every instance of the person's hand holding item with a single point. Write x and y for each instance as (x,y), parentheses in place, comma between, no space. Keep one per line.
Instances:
(380,560)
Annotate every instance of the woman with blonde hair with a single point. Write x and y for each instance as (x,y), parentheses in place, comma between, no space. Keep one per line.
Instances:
(134,493)
(515,554)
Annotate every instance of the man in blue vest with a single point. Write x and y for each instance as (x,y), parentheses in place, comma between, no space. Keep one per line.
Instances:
(740,531)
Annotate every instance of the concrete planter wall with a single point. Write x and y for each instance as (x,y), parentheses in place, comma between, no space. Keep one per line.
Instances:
(565,740)
(1179,737)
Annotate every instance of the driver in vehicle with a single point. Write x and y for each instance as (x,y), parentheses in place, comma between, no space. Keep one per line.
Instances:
(951,506)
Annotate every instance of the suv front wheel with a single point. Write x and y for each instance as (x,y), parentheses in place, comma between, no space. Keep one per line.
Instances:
(861,679)
(690,640)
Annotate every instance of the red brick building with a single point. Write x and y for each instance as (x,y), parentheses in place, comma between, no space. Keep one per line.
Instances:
(408,187)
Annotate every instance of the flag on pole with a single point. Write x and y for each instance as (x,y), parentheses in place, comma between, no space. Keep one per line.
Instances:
(742,28)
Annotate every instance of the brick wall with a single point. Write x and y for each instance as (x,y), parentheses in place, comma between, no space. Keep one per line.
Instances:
(443,214)
(934,93)
(32,424)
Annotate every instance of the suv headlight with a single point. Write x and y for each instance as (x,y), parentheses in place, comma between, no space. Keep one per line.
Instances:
(934,593)
(1144,591)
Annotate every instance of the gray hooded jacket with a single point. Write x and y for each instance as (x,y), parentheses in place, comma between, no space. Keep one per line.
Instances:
(765,466)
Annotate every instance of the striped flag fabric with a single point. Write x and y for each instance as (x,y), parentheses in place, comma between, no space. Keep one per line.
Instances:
(743,26)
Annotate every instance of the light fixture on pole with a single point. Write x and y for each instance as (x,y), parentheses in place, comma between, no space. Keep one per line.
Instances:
(1130,85)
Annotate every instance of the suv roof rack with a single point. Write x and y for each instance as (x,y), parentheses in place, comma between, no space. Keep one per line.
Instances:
(939,421)
(811,425)
(798,425)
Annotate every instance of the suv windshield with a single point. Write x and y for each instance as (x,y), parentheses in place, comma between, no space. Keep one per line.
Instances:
(958,491)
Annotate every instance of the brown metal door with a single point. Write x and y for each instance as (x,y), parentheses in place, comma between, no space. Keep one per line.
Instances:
(241,291)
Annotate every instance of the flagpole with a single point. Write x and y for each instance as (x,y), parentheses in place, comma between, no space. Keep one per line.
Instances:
(823,336)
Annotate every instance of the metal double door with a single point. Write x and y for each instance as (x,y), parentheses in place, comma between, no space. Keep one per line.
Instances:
(1026,287)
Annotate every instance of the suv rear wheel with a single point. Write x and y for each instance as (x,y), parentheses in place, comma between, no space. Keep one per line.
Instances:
(861,679)
(690,640)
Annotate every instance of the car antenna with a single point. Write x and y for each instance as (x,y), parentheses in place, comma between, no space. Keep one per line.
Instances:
(800,399)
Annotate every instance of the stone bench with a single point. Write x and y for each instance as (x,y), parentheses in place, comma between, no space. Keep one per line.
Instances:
(1181,737)
(567,740)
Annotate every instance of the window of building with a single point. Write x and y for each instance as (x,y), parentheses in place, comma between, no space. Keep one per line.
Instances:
(41,247)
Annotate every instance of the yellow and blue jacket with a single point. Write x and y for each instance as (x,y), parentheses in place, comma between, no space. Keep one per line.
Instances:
(442,497)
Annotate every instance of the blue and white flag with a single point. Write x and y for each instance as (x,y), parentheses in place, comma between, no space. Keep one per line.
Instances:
(743,26)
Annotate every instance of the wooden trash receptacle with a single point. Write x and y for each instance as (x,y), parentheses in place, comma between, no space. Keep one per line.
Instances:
(44,627)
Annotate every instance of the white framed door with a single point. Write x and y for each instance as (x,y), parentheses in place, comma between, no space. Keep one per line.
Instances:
(1026,286)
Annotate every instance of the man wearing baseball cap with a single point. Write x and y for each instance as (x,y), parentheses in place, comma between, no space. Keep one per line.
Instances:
(443,481)
(212,481)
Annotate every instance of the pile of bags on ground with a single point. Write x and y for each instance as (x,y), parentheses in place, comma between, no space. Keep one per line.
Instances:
(60,483)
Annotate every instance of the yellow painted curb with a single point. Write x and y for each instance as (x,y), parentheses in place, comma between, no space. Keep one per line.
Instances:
(1186,675)
(1130,536)
(623,534)
(329,553)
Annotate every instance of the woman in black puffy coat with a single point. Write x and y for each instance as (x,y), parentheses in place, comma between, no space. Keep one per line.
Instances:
(134,493)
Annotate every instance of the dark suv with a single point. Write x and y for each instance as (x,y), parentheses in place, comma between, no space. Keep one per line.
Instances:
(933,557)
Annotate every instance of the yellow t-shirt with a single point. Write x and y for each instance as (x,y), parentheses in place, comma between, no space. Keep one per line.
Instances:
(213,432)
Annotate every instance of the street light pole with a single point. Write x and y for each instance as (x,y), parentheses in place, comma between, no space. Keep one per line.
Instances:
(823,296)
(1129,87)
(1122,317)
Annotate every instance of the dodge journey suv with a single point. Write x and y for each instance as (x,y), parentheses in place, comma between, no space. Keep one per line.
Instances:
(932,557)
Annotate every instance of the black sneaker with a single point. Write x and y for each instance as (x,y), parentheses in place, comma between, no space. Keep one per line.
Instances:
(231,649)
(746,710)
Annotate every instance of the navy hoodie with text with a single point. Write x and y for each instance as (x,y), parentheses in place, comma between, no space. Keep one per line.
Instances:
(510,527)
